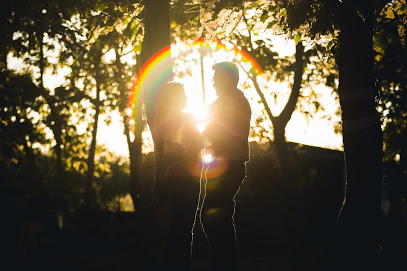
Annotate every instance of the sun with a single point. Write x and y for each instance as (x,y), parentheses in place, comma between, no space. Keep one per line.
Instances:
(193,61)
(199,98)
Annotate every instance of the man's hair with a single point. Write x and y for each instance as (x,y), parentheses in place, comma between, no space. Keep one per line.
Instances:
(229,69)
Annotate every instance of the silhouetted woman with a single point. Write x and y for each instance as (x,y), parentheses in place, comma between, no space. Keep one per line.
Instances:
(180,144)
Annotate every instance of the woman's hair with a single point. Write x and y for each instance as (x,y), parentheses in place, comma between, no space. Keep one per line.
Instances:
(170,93)
(169,101)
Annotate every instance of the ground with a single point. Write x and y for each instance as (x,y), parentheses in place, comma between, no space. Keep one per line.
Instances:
(269,238)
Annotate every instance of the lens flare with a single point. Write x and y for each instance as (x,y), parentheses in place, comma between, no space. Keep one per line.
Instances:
(208,158)
(158,69)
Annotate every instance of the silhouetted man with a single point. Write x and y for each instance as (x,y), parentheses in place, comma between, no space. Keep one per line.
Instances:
(226,138)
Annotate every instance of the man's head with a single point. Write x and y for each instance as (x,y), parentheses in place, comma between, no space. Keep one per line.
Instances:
(226,76)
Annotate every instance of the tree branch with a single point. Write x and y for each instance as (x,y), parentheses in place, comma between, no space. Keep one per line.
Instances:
(289,108)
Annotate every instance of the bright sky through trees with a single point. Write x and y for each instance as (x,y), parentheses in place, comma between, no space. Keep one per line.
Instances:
(316,131)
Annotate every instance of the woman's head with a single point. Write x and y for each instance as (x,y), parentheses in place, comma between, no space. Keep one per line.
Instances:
(172,97)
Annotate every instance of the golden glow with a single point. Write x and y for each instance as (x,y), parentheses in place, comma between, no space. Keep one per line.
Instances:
(208,158)
(315,131)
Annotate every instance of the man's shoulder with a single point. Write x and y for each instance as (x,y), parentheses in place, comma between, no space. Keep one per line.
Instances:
(216,104)
(242,100)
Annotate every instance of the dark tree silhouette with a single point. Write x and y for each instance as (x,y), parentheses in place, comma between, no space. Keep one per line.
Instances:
(156,37)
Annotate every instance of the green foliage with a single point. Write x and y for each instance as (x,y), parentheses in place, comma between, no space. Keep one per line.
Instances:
(18,185)
(41,125)
(20,104)
(114,185)
(185,17)
(122,17)
(391,70)
(317,68)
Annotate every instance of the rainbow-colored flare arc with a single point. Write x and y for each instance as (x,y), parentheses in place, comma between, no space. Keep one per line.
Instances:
(158,69)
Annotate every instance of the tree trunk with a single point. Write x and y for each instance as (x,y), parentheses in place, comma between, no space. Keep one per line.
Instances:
(90,193)
(4,53)
(56,129)
(362,138)
(156,37)
(280,122)
(40,38)
(134,156)
(59,168)
(281,146)
(138,190)
(39,193)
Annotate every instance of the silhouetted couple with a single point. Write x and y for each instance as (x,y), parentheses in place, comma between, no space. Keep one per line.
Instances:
(225,138)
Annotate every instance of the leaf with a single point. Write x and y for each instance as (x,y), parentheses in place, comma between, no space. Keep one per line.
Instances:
(101,7)
(252,6)
(330,44)
(137,47)
(283,12)
(379,43)
(135,32)
(297,38)
(270,24)
(272,9)
(134,23)
(389,14)
(126,20)
(317,105)
(193,9)
(264,16)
